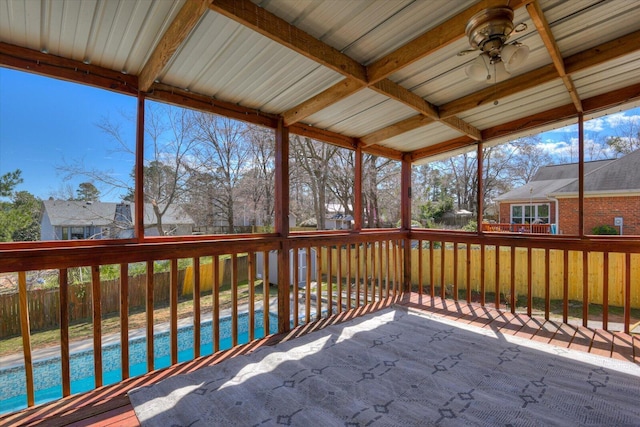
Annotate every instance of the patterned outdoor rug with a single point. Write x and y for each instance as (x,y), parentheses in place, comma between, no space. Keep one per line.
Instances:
(397,367)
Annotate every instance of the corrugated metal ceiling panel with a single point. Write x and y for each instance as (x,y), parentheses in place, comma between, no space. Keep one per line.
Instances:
(365,30)
(113,34)
(578,25)
(364,112)
(607,77)
(226,60)
(425,136)
(544,97)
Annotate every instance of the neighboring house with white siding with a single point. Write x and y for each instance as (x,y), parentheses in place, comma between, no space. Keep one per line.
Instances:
(69,220)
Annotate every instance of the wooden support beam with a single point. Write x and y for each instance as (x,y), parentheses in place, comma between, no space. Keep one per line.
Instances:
(322,100)
(277,29)
(184,22)
(438,37)
(32,61)
(544,30)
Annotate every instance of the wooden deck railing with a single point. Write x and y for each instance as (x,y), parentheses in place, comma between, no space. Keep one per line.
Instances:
(578,279)
(517,228)
(305,277)
(340,271)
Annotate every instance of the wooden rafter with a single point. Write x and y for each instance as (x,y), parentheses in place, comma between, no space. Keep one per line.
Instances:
(542,25)
(184,22)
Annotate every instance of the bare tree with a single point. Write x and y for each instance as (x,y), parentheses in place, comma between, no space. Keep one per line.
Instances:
(222,152)
(314,158)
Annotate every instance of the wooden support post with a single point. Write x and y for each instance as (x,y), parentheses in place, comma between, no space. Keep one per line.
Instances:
(139,169)
(405,212)
(282,226)
(357,190)
(580,175)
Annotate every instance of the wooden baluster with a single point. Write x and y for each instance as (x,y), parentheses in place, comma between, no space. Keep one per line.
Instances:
(605,292)
(64,331)
(455,271)
(296,290)
(318,282)
(349,275)
(307,289)
(124,319)
(482,273)
(585,288)
(196,307)
(251,266)
(627,292)
(149,310)
(365,275)
(25,331)
(215,297)
(265,293)
(173,309)
(547,297)
(512,285)
(420,285)
(443,288)
(97,325)
(329,283)
(339,277)
(529,282)
(380,269)
(432,275)
(234,301)
(497,276)
(469,272)
(357,287)
(565,287)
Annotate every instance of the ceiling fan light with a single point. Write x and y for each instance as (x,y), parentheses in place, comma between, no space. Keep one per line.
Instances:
(480,68)
(500,72)
(513,56)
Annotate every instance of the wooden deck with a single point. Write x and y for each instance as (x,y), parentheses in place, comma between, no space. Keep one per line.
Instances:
(110,406)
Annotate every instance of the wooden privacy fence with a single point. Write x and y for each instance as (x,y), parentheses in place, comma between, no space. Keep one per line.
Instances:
(224,274)
(44,304)
(596,273)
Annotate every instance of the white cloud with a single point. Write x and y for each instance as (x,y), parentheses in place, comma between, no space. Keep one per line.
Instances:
(594,125)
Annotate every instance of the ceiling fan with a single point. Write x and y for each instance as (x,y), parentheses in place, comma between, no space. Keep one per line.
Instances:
(488,31)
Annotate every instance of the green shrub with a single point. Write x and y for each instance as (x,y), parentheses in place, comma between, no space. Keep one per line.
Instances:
(604,230)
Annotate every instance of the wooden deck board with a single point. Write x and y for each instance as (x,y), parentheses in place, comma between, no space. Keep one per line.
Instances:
(110,405)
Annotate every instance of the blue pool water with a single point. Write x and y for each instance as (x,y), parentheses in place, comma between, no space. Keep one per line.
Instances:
(47,373)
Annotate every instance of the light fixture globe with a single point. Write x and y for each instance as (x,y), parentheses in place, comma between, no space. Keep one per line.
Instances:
(479,69)
(514,55)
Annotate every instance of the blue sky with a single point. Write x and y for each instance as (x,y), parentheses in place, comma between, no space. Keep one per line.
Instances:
(46,122)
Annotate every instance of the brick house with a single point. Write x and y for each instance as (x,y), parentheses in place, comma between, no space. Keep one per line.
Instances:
(611,191)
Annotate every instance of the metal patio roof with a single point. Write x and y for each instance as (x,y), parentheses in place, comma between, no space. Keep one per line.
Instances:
(382,74)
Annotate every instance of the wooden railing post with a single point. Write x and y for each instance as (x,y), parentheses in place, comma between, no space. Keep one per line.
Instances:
(282,226)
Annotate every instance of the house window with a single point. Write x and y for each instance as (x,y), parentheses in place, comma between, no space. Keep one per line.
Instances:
(527,214)
(77,233)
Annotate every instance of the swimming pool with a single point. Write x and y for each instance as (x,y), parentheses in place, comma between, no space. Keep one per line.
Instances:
(47,373)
